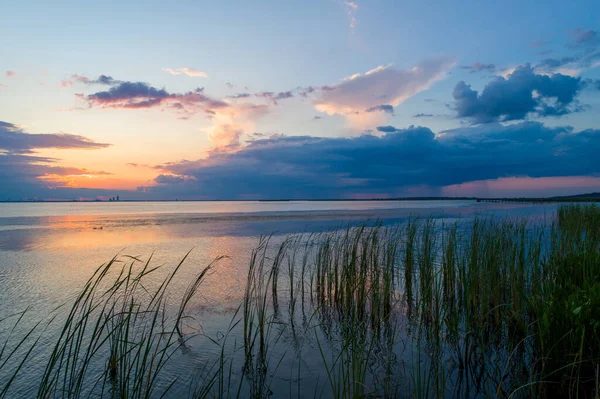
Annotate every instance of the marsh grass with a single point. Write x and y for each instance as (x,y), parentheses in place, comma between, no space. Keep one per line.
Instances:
(490,307)
(115,325)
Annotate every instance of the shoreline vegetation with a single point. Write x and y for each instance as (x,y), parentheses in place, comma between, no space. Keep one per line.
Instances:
(506,308)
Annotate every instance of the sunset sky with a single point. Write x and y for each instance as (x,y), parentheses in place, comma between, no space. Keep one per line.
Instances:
(298,99)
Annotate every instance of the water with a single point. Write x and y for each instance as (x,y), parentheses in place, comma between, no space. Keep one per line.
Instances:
(48,250)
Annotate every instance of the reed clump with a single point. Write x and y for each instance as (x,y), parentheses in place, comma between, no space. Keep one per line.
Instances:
(117,335)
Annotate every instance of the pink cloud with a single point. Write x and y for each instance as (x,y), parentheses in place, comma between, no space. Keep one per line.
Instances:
(10,74)
(231,120)
(384,85)
(80,78)
(186,71)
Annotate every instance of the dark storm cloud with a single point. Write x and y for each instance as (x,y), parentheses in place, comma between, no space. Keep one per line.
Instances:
(523,93)
(14,140)
(316,167)
(388,109)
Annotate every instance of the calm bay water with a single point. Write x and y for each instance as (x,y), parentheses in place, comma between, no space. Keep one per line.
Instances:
(48,250)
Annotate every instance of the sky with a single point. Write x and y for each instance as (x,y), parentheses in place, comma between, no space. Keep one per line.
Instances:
(313,99)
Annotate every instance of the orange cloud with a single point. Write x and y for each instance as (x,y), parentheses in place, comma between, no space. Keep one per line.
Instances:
(230,123)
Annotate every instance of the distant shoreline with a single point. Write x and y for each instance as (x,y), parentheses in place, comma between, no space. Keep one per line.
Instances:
(247,200)
(576,198)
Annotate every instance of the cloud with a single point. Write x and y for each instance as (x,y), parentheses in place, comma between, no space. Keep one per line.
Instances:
(586,43)
(422,115)
(582,38)
(573,65)
(24,174)
(226,137)
(382,85)
(479,67)
(169,179)
(10,74)
(231,123)
(387,129)
(186,71)
(351,9)
(317,167)
(388,109)
(523,93)
(307,91)
(13,139)
(275,97)
(550,64)
(240,95)
(101,80)
(269,96)
(231,120)
(136,95)
(33,177)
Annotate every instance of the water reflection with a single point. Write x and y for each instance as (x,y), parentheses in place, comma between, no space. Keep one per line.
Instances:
(84,231)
